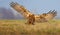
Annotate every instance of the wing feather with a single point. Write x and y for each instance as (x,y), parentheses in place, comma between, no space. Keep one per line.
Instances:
(46,16)
(21,9)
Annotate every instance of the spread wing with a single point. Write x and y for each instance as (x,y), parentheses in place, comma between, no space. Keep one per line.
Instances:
(21,9)
(43,17)
(46,16)
(51,15)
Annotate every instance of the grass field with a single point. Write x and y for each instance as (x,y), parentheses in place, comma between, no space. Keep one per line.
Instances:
(18,27)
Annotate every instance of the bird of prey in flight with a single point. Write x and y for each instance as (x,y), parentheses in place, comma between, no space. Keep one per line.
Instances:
(32,17)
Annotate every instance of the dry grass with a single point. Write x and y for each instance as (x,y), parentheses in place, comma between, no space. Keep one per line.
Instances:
(18,27)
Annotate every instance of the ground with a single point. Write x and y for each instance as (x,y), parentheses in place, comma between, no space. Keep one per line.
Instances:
(18,27)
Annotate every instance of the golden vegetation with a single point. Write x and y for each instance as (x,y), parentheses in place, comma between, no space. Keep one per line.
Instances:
(18,27)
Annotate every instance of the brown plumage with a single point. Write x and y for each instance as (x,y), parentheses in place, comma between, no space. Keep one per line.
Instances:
(31,17)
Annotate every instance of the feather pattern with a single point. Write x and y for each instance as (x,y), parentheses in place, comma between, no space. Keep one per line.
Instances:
(26,13)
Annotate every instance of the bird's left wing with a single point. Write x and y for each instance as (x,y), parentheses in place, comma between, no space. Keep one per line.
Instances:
(46,16)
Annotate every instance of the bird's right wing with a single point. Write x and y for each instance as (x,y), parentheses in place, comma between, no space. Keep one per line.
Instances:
(21,9)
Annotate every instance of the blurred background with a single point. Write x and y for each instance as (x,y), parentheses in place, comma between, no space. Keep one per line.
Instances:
(34,6)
